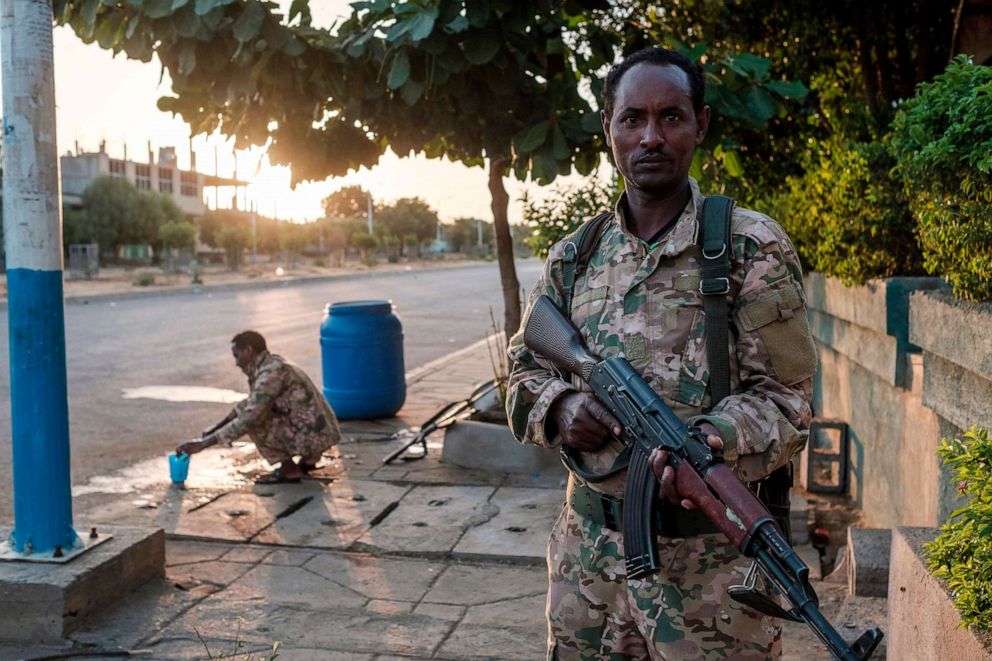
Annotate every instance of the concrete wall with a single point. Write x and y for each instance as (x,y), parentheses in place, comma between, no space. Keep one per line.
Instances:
(873,377)
(923,622)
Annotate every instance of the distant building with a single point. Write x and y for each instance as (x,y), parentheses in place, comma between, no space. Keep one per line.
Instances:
(186,187)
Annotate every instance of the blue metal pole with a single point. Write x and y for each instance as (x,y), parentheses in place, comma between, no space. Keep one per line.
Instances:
(32,219)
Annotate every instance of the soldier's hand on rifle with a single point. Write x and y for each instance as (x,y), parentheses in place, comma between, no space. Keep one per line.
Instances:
(582,421)
(666,474)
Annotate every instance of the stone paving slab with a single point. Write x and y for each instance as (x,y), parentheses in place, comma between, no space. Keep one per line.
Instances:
(291,586)
(378,578)
(471,642)
(473,585)
(320,626)
(340,514)
(161,508)
(519,530)
(431,520)
(240,515)
(129,621)
(181,552)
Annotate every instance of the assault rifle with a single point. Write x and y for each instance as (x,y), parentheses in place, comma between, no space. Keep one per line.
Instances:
(700,475)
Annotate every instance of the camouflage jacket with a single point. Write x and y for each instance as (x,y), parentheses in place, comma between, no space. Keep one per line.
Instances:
(280,389)
(643,302)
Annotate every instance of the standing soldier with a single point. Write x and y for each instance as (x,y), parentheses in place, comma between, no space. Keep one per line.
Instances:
(285,414)
(642,292)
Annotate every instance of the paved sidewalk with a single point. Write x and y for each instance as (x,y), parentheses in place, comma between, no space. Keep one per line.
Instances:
(419,559)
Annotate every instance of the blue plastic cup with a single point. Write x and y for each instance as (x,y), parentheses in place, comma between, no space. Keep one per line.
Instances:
(178,468)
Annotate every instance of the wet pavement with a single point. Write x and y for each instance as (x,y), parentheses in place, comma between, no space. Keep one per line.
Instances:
(418,559)
(415,560)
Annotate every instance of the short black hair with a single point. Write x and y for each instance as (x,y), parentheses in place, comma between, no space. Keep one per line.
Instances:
(249,338)
(658,57)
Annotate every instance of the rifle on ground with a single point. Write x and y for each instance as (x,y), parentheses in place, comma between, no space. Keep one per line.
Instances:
(701,476)
(448,415)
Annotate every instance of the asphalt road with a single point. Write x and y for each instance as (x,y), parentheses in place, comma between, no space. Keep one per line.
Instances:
(183,340)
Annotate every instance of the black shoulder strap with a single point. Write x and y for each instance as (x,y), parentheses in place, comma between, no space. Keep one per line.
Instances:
(715,247)
(576,257)
(578,251)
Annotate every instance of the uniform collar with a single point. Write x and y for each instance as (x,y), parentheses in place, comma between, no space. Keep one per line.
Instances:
(257,363)
(684,235)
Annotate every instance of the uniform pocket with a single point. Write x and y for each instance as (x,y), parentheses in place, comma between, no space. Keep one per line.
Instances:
(779,318)
(591,316)
(694,370)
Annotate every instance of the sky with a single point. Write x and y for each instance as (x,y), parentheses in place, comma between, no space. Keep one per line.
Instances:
(113,99)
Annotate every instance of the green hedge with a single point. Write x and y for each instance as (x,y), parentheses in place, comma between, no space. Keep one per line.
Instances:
(942,141)
(847,216)
(962,554)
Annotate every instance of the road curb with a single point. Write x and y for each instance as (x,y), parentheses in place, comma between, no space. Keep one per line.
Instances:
(428,368)
(86,299)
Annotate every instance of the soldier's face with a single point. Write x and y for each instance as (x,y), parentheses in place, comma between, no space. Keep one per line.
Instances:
(653,129)
(243,357)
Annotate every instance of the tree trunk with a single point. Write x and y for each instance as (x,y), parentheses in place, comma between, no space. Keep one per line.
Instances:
(868,73)
(504,248)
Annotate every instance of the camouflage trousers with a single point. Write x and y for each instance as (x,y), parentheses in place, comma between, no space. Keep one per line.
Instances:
(277,441)
(681,613)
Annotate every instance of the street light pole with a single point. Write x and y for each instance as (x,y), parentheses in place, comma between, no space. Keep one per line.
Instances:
(368,206)
(32,219)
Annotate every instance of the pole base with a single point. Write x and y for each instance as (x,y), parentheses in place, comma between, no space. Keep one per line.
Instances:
(8,554)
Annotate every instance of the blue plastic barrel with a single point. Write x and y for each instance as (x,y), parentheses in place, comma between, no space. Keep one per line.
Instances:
(361,346)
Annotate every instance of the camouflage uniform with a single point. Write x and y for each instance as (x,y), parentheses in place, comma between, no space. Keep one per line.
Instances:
(643,302)
(285,414)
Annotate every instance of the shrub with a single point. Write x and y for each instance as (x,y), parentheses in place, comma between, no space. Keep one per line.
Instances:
(551,219)
(962,553)
(145,280)
(179,235)
(942,140)
(234,239)
(848,216)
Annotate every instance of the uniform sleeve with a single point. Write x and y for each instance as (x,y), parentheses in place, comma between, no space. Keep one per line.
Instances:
(533,385)
(256,407)
(767,421)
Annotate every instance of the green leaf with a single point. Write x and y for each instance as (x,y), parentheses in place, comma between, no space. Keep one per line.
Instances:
(478,12)
(411,92)
(591,122)
(157,8)
(250,22)
(480,47)
(400,71)
(750,66)
(918,135)
(760,104)
(187,24)
(109,32)
(187,58)
(294,47)
(300,8)
(544,167)
(696,169)
(559,144)
(732,162)
(399,30)
(423,24)
(788,89)
(531,138)
(206,6)
(460,24)
(88,14)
